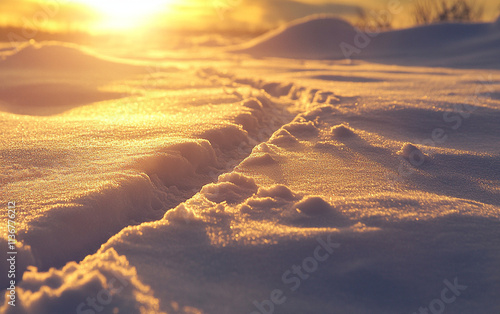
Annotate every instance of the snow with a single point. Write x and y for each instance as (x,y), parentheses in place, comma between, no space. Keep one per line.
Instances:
(327,37)
(314,38)
(108,279)
(76,58)
(341,131)
(231,188)
(413,154)
(301,186)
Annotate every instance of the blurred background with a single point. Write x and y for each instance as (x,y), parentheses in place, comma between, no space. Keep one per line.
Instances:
(187,23)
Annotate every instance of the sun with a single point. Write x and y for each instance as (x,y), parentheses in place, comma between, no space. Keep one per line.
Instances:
(124,14)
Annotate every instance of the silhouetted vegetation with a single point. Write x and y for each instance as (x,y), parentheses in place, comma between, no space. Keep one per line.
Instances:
(373,21)
(429,11)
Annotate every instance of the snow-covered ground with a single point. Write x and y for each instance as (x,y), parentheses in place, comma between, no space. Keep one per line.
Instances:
(232,183)
(324,37)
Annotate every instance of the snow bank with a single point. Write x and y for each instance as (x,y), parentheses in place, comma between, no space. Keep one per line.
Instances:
(152,184)
(324,37)
(70,232)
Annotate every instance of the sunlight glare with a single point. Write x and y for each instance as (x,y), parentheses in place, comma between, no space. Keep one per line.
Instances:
(125,14)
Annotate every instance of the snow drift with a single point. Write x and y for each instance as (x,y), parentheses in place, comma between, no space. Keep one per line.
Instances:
(61,76)
(58,56)
(325,37)
(205,195)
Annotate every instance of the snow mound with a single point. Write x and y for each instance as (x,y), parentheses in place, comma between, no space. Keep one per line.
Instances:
(316,37)
(277,191)
(61,76)
(313,205)
(283,138)
(326,37)
(413,154)
(63,56)
(341,131)
(104,282)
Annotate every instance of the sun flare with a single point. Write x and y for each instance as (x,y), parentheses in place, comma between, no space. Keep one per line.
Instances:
(123,14)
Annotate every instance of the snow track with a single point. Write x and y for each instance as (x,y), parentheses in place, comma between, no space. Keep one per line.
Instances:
(213,190)
(146,184)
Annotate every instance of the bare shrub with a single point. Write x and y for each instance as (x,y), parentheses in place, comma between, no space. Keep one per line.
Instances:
(373,21)
(428,11)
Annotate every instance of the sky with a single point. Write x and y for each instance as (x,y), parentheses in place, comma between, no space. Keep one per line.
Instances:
(102,16)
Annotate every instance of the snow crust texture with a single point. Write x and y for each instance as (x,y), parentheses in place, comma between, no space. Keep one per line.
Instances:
(255,186)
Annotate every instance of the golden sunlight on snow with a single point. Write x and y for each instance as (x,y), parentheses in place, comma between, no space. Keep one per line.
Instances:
(319,168)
